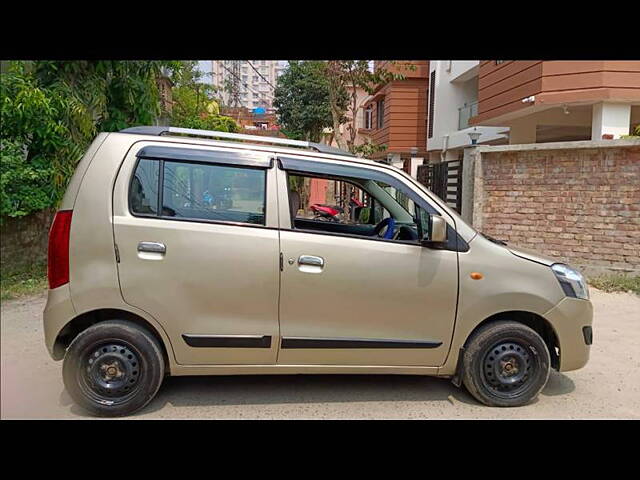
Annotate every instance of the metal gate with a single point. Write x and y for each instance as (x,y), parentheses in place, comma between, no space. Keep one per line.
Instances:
(445,180)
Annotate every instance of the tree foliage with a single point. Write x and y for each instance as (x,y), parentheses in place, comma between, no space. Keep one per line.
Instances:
(194,103)
(368,149)
(301,98)
(345,77)
(35,143)
(314,95)
(52,110)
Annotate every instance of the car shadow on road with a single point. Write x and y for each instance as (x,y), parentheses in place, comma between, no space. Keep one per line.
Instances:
(213,391)
(558,384)
(303,389)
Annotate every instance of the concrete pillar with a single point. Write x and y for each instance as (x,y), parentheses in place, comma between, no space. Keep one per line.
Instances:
(478,192)
(468,169)
(610,119)
(522,130)
(415,162)
(396,161)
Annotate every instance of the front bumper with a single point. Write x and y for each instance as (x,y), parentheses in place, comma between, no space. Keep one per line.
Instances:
(569,319)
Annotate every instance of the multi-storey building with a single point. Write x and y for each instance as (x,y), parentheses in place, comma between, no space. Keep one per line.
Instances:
(250,82)
(396,115)
(535,101)
(550,101)
(453,101)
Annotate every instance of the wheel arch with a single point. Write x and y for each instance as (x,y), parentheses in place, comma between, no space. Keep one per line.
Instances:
(85,320)
(532,320)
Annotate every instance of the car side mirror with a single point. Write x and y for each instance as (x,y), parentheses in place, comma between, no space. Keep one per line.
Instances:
(437,231)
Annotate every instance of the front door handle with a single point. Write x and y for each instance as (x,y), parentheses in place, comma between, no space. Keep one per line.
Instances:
(152,247)
(311,260)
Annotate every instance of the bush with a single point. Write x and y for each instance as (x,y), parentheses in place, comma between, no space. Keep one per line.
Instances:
(25,187)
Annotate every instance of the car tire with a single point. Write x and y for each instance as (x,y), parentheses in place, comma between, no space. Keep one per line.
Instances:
(505,364)
(113,368)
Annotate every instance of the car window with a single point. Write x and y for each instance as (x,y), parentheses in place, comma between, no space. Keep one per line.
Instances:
(392,205)
(199,191)
(143,193)
(348,206)
(214,192)
(327,199)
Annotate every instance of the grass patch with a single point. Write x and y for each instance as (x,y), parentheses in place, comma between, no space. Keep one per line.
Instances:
(616,283)
(26,282)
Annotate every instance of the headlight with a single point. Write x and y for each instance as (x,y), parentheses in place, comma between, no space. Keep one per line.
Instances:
(571,281)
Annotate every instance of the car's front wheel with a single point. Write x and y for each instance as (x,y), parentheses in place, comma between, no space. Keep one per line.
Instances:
(113,368)
(505,364)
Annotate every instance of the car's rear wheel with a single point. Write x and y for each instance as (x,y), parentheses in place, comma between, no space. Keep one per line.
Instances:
(113,368)
(505,364)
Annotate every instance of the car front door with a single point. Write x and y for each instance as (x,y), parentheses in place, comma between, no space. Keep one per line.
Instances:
(197,239)
(361,300)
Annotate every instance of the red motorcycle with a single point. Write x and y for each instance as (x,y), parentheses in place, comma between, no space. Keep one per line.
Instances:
(331,212)
(326,212)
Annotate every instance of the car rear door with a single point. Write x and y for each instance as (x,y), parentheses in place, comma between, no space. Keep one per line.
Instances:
(198,246)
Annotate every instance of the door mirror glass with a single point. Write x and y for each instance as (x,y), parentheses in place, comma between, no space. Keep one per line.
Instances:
(436,231)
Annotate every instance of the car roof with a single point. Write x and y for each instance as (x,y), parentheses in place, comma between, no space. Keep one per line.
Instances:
(244,142)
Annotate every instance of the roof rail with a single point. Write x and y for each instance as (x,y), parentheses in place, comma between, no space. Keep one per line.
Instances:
(159,130)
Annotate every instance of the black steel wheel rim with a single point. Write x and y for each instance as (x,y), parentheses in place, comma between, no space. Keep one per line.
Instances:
(110,373)
(507,368)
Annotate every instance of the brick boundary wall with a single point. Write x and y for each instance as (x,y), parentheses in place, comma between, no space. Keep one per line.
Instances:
(578,204)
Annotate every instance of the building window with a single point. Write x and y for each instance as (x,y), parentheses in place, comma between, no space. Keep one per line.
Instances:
(432,101)
(368,117)
(380,113)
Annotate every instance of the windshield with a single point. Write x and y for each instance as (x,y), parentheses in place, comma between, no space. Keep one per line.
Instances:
(403,200)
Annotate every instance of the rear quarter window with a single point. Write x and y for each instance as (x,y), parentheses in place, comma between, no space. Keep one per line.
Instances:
(143,192)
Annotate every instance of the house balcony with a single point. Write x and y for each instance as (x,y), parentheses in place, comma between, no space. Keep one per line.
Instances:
(465,113)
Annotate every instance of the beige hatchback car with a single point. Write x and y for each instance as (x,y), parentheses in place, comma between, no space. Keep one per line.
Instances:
(176,254)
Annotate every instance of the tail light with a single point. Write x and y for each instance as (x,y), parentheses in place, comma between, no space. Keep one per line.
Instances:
(58,267)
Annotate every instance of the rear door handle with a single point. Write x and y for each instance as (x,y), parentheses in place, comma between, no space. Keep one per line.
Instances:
(311,260)
(153,247)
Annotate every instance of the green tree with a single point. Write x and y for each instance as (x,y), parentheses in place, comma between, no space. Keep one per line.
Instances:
(344,78)
(35,143)
(52,110)
(302,101)
(194,103)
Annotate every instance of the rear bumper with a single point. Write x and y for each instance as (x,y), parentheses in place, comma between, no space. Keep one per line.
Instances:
(572,319)
(57,313)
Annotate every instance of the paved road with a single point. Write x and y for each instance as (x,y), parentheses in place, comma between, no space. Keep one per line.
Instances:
(608,387)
